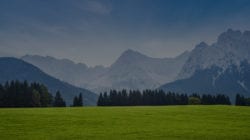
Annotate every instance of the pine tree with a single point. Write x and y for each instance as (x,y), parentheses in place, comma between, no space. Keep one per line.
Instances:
(58,100)
(100,101)
(247,101)
(106,99)
(124,97)
(21,94)
(35,99)
(75,101)
(240,100)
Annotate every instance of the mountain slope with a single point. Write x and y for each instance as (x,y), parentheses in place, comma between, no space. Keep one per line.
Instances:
(220,68)
(232,47)
(77,74)
(16,69)
(215,80)
(134,70)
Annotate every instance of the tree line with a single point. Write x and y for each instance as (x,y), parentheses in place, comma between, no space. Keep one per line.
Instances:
(158,97)
(240,100)
(23,94)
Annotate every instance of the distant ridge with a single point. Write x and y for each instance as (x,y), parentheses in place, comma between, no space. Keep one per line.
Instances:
(132,70)
(16,69)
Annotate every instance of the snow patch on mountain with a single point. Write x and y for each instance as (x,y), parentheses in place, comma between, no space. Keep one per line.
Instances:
(231,48)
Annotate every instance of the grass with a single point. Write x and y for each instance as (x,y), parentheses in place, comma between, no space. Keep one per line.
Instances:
(107,123)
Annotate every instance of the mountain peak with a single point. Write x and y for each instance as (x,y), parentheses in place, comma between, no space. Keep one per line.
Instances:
(201,45)
(229,35)
(131,54)
(246,34)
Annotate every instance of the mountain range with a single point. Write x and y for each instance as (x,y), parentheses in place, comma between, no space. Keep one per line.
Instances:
(16,69)
(132,70)
(222,67)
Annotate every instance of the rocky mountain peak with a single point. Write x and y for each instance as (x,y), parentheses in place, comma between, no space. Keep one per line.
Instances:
(229,37)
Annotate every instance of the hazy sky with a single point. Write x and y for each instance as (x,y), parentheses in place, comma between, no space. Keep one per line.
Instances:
(98,31)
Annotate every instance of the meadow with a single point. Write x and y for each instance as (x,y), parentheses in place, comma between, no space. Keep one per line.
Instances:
(107,123)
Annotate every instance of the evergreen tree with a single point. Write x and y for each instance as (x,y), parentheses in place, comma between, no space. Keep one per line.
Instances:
(240,100)
(1,95)
(106,101)
(247,101)
(36,99)
(75,101)
(124,98)
(58,100)
(159,97)
(78,100)
(21,94)
(100,101)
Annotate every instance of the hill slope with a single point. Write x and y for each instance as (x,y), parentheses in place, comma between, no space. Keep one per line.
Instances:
(16,69)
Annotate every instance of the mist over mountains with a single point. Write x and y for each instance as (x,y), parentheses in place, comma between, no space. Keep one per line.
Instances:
(16,69)
(132,70)
(222,67)
(77,74)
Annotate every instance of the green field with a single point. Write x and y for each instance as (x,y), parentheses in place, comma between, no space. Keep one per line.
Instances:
(106,123)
